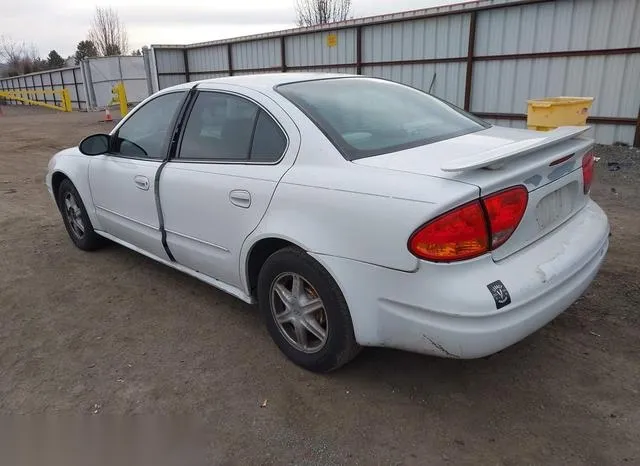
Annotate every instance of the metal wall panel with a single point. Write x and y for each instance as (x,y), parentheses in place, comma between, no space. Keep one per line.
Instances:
(169,60)
(211,58)
(329,69)
(134,78)
(609,134)
(241,72)
(558,26)
(200,76)
(172,80)
(314,49)
(56,81)
(79,90)
(256,54)
(440,37)
(69,77)
(106,72)
(132,68)
(448,78)
(504,86)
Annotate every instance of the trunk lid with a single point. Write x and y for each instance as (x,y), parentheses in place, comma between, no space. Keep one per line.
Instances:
(548,164)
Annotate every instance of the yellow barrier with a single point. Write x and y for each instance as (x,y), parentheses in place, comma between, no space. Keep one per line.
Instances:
(120,96)
(24,96)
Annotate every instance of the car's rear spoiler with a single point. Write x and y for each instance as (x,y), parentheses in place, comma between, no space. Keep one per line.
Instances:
(492,158)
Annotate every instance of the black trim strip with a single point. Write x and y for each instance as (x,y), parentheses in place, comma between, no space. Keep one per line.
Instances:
(253,132)
(187,113)
(173,142)
(163,231)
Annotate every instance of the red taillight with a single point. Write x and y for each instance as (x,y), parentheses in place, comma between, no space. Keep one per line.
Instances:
(505,210)
(457,235)
(588,162)
(472,229)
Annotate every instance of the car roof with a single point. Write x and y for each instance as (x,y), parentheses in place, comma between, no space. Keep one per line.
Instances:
(262,81)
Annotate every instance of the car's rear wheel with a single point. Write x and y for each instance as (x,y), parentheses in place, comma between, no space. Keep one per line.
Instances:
(76,220)
(306,313)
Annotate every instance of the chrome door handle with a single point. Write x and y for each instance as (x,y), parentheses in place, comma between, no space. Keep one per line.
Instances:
(240,198)
(142,182)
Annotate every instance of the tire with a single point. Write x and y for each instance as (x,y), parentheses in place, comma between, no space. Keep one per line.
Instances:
(76,220)
(339,345)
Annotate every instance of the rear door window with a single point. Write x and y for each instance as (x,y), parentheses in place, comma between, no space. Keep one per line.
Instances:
(269,142)
(229,128)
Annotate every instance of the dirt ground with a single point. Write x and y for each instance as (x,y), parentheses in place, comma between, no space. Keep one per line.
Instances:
(113,333)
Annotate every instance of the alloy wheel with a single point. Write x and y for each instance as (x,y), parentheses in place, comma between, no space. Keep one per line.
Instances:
(299,312)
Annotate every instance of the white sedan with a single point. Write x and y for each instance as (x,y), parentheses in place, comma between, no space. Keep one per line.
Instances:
(354,211)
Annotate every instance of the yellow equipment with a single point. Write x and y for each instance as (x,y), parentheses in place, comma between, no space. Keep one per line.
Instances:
(551,112)
(120,97)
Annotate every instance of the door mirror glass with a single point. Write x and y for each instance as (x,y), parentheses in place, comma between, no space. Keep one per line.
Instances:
(95,144)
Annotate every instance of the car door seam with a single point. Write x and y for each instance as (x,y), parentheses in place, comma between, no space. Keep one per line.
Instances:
(175,136)
(266,210)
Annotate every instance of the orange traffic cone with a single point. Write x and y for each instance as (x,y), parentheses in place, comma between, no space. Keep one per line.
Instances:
(107,115)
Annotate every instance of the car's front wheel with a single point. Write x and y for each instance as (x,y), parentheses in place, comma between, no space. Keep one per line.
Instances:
(76,220)
(306,313)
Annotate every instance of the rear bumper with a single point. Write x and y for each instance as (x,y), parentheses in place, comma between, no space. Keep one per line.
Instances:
(448,310)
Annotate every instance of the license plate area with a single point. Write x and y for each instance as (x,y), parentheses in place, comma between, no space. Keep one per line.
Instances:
(557,206)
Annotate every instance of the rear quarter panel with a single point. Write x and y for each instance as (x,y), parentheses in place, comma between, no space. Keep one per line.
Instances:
(360,213)
(330,206)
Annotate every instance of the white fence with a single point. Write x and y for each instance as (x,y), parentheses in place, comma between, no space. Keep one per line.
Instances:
(488,57)
(50,80)
(105,72)
(89,84)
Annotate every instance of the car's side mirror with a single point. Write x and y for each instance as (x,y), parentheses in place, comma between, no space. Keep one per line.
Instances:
(95,144)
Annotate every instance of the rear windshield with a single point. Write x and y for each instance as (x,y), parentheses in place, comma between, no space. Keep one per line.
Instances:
(365,117)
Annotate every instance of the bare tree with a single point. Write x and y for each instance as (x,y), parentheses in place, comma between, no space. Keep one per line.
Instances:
(108,33)
(11,52)
(312,12)
(19,57)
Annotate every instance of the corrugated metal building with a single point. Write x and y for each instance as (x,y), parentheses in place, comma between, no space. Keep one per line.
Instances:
(488,56)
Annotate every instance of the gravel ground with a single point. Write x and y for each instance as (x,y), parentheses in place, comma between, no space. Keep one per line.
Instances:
(113,333)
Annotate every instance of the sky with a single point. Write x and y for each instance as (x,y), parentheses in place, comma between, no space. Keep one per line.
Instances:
(61,24)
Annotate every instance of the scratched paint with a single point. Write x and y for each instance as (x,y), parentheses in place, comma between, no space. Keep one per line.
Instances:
(562,170)
(533,180)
